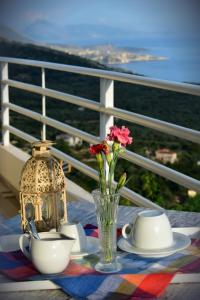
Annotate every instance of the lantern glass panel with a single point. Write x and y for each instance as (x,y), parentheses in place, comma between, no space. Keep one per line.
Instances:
(30,211)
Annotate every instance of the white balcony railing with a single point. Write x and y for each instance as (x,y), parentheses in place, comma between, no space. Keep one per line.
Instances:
(107,112)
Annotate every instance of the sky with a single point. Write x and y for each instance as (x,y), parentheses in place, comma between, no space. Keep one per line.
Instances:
(167,28)
(147,18)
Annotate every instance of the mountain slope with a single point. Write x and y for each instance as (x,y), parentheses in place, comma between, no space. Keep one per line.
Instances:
(18,50)
(181,109)
(12,35)
(81,34)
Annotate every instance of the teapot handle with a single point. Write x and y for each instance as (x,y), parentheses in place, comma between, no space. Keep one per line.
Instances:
(22,245)
(124,234)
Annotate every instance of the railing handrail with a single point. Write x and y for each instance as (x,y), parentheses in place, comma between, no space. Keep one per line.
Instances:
(156,124)
(112,75)
(128,155)
(107,112)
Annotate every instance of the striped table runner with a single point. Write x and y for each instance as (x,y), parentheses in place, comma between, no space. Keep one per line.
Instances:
(140,277)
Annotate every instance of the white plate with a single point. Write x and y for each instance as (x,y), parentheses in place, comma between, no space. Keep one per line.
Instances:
(11,243)
(91,248)
(181,242)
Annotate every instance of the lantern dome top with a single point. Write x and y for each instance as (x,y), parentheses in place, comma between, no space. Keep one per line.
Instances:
(41,148)
(42,173)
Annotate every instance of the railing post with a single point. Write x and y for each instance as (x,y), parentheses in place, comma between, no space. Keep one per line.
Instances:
(106,100)
(4,100)
(43,106)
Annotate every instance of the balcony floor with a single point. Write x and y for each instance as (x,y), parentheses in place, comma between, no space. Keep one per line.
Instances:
(9,203)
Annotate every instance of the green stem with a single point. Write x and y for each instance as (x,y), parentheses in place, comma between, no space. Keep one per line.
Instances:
(108,247)
(102,176)
(110,178)
(112,170)
(107,224)
(102,181)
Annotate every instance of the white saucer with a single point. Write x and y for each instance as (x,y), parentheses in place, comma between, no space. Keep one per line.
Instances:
(181,242)
(92,246)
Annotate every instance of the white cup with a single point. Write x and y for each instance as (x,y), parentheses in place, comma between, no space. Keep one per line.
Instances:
(50,254)
(151,230)
(75,231)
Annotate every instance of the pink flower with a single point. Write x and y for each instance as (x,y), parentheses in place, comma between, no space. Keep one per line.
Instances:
(120,135)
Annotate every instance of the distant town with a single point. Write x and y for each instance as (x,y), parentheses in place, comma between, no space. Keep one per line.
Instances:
(108,54)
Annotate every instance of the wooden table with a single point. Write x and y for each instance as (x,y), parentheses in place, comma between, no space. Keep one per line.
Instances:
(84,211)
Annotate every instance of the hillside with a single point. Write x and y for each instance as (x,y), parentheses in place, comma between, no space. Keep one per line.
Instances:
(11,35)
(165,105)
(173,107)
(37,52)
(169,106)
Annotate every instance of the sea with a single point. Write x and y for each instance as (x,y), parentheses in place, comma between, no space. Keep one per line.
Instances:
(182,63)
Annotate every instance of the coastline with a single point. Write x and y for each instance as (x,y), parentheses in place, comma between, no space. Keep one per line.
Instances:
(107,54)
(139,57)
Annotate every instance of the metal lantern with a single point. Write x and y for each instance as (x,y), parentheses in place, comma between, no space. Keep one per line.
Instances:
(42,189)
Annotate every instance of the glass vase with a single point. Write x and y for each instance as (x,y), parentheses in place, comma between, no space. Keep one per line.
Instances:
(106,212)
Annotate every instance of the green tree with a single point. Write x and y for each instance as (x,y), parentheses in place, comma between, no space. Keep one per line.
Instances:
(193,204)
(151,188)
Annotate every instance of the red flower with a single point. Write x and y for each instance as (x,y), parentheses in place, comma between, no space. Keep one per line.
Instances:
(98,148)
(105,147)
(120,135)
